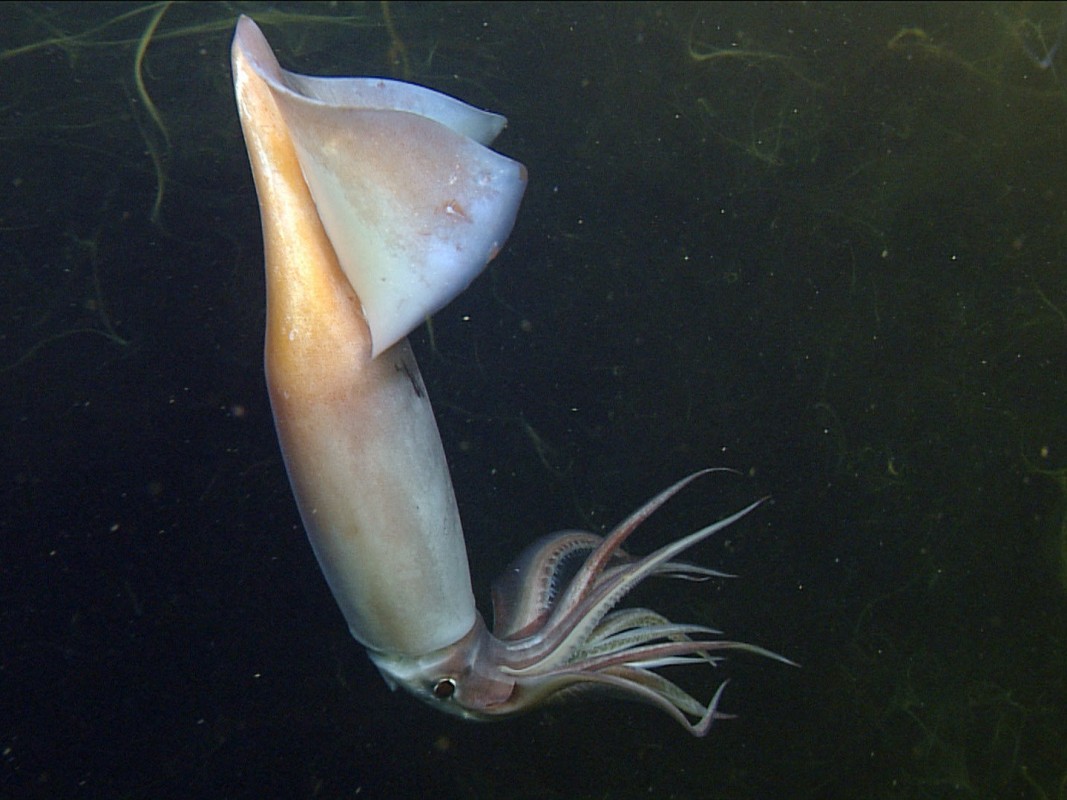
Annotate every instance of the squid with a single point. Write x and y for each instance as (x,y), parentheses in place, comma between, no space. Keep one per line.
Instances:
(380,202)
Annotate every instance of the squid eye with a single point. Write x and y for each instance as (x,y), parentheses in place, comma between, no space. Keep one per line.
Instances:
(444,689)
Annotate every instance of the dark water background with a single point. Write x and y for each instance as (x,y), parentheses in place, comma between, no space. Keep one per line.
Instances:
(824,244)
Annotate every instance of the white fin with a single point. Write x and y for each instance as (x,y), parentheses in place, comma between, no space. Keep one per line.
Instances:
(413,202)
